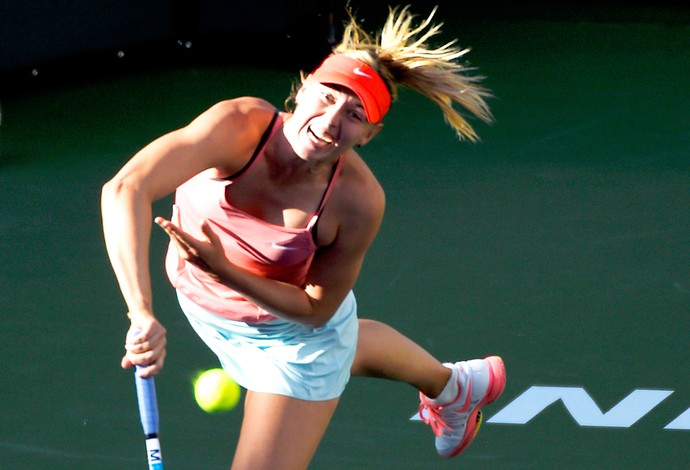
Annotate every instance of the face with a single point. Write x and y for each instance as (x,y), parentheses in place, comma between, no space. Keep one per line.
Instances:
(327,121)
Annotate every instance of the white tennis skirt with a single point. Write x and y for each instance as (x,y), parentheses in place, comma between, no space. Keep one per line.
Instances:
(280,356)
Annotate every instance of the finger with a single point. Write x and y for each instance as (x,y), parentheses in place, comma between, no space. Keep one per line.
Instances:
(170,224)
(150,367)
(184,250)
(136,336)
(181,239)
(176,215)
(125,363)
(175,232)
(144,359)
(165,224)
(160,220)
(146,371)
(208,232)
(149,370)
(137,348)
(144,339)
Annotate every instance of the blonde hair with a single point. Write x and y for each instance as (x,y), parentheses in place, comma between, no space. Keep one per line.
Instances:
(401,55)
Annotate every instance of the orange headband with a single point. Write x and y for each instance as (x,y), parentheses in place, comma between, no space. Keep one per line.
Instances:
(359,77)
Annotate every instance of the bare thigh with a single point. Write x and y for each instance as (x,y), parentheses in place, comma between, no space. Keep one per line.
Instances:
(280,432)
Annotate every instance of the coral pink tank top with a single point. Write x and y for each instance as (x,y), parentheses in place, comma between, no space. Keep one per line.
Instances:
(265,249)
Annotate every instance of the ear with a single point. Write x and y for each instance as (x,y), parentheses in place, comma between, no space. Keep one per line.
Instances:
(375,129)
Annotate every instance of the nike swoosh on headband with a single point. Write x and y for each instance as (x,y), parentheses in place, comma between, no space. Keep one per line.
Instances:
(359,71)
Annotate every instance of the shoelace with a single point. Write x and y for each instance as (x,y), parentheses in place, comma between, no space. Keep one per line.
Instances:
(433,417)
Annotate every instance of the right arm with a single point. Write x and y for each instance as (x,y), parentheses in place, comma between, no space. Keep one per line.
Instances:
(222,137)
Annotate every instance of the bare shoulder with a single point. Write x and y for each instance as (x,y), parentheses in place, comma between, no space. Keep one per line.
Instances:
(231,129)
(242,114)
(354,211)
(360,194)
(244,105)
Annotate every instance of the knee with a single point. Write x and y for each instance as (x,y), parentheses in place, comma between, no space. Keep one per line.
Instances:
(371,333)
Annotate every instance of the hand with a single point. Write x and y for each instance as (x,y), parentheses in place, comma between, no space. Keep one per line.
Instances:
(206,254)
(145,344)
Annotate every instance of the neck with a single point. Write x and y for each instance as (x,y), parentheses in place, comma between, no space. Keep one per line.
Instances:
(286,165)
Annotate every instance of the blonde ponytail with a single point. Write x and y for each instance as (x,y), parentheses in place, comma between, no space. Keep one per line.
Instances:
(400,53)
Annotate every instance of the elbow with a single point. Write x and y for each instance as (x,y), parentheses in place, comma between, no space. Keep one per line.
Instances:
(116,190)
(109,190)
(312,320)
(307,321)
(320,311)
(111,193)
(318,322)
(121,200)
(319,319)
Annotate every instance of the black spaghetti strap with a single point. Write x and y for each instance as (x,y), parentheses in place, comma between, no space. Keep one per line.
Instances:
(314,221)
(329,188)
(257,150)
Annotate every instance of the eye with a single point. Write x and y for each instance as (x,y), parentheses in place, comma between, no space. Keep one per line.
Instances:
(357,116)
(327,97)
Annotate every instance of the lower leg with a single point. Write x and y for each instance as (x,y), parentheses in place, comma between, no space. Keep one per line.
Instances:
(450,406)
(384,352)
(280,432)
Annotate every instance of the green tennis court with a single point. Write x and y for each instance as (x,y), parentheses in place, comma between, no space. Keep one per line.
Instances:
(560,242)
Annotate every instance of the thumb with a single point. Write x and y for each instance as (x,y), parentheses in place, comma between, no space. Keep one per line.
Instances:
(175,218)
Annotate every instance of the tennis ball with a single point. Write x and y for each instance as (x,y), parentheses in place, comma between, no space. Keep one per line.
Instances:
(215,391)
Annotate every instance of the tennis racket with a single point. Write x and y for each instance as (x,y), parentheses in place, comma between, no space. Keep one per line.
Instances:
(148,412)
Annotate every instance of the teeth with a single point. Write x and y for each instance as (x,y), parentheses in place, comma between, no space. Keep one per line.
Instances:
(323,138)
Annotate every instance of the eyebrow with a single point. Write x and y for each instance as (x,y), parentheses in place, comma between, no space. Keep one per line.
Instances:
(344,89)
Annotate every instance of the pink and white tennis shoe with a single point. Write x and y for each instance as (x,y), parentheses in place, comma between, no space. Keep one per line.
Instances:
(480,382)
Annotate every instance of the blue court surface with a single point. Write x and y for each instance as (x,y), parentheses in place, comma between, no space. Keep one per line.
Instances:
(560,242)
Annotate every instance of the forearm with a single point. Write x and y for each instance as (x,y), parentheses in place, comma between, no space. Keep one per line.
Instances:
(127,229)
(312,305)
(281,299)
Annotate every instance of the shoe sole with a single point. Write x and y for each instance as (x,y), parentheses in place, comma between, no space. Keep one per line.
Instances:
(497,383)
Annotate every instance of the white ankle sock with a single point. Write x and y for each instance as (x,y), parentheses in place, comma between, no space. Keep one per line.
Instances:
(450,391)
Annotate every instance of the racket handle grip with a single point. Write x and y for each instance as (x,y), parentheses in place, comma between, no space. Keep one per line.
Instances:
(148,404)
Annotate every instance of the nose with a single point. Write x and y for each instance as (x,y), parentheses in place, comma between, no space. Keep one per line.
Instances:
(333,115)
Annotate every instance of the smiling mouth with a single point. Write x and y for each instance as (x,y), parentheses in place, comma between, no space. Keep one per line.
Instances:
(325,139)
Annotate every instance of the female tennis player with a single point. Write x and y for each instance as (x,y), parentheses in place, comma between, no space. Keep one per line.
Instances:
(274,213)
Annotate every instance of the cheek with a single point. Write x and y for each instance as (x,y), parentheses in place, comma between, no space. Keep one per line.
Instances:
(356,135)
